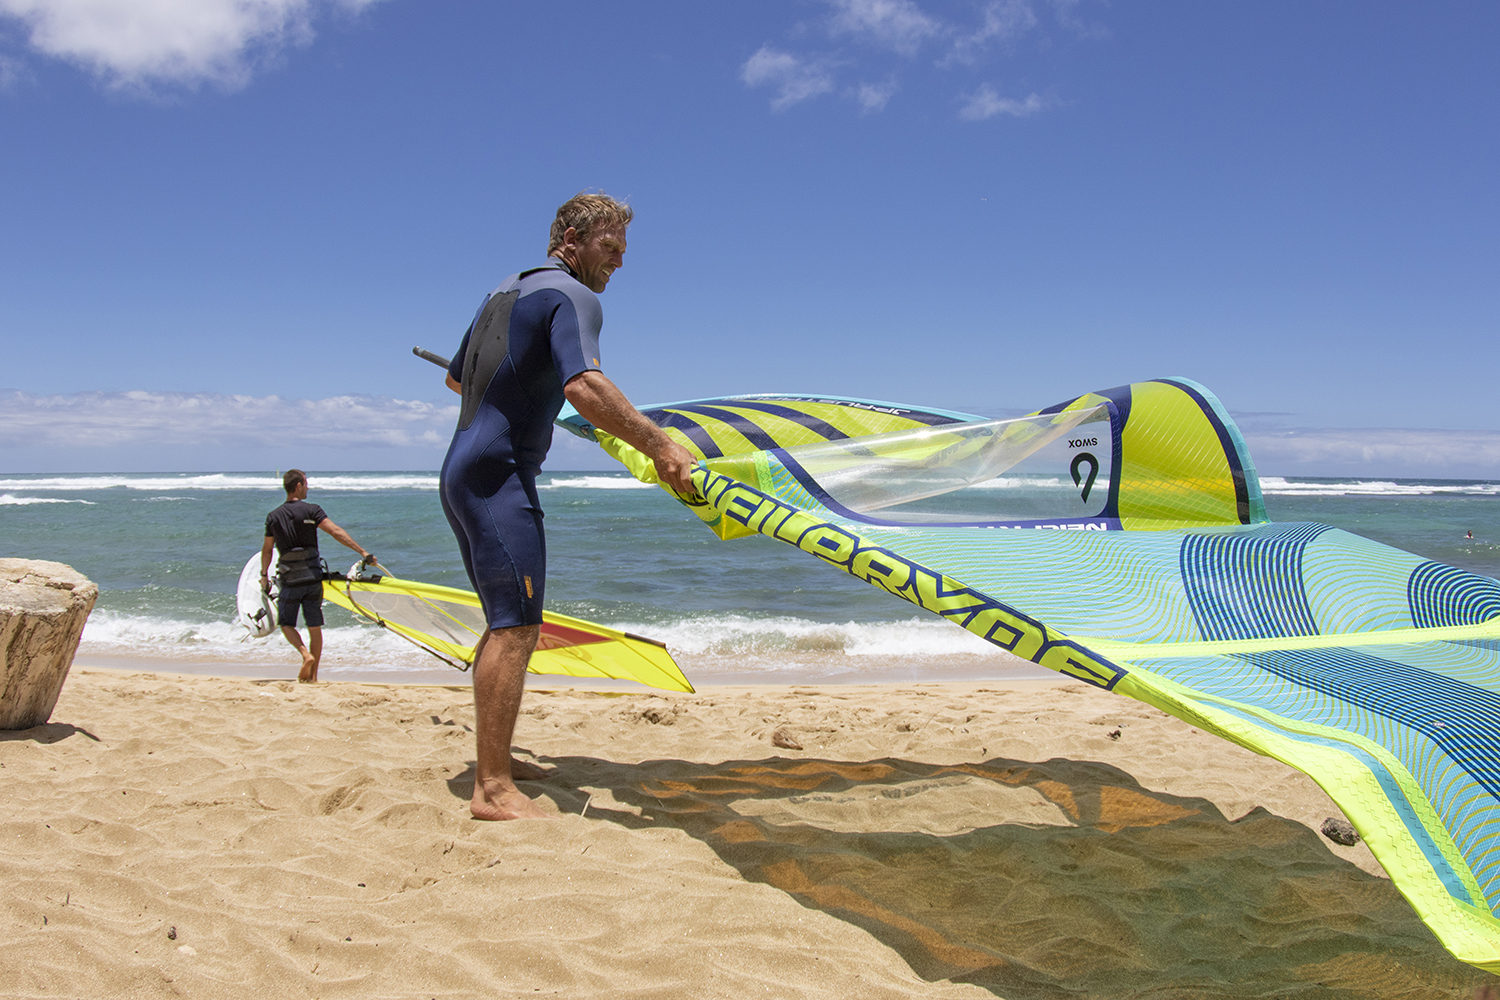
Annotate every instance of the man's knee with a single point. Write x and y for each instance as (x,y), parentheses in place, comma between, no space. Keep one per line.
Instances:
(517,635)
(512,645)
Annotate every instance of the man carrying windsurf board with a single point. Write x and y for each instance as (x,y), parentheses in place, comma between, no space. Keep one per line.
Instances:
(292,529)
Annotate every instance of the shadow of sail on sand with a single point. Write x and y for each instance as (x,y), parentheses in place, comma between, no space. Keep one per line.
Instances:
(1092,885)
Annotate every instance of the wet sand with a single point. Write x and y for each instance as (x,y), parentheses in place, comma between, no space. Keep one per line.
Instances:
(172,835)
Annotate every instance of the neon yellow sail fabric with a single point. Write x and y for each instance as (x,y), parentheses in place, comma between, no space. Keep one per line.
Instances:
(448,622)
(1121,538)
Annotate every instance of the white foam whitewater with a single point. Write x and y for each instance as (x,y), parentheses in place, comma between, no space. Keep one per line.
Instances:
(580,482)
(109,633)
(222,481)
(1278,486)
(7,500)
(741,635)
(748,643)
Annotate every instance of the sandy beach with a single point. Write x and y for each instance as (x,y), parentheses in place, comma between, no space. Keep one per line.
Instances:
(173,835)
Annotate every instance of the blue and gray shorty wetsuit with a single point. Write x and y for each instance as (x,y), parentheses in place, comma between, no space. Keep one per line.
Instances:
(539,329)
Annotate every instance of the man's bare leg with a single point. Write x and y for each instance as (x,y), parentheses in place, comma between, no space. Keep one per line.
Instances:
(309,670)
(499,681)
(520,770)
(315,646)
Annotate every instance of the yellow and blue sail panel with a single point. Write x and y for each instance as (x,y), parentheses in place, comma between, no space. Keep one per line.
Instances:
(448,622)
(1121,538)
(738,425)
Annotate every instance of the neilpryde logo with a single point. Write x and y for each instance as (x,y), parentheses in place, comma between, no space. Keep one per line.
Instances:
(982,615)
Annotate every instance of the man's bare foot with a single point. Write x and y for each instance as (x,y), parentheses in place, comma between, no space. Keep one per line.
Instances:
(525,770)
(309,672)
(503,803)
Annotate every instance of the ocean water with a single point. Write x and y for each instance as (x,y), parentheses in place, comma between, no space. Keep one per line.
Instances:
(166,551)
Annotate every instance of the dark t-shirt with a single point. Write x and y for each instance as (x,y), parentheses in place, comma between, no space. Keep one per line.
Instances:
(295,525)
(553,335)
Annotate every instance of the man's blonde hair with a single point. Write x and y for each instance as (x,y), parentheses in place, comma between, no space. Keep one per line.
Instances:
(585,213)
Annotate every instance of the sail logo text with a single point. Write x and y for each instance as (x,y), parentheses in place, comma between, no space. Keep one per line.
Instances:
(984,616)
(1083,442)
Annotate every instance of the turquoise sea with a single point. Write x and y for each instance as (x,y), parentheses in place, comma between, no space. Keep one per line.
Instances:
(166,551)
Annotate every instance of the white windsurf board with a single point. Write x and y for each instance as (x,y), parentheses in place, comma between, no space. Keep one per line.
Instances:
(254,608)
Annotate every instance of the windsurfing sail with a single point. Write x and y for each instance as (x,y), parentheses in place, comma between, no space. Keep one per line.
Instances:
(1121,538)
(447,622)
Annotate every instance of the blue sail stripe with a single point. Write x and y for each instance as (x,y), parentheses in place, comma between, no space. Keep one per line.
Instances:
(1248,585)
(747,428)
(1388,784)
(1442,716)
(694,430)
(1445,595)
(817,425)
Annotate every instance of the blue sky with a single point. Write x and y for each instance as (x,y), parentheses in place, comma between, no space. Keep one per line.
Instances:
(228,221)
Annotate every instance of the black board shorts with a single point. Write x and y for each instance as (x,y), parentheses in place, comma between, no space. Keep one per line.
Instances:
(308,597)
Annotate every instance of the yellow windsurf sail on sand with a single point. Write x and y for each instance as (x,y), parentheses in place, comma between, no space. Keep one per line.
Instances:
(1120,538)
(447,622)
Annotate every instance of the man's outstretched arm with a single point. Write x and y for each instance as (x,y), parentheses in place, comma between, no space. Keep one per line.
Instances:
(602,404)
(343,536)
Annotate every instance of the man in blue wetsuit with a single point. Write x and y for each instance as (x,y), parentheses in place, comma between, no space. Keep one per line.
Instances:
(534,343)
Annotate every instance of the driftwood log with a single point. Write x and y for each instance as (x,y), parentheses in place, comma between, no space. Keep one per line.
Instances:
(43,606)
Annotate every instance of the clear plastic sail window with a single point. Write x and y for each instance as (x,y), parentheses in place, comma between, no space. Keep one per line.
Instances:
(1050,467)
(445,620)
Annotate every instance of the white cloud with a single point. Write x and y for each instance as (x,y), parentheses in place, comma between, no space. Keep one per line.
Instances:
(96,420)
(904,29)
(873,97)
(987,103)
(898,25)
(134,43)
(795,78)
(1004,21)
(11,70)
(1066,12)
(1376,452)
